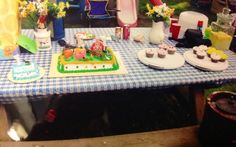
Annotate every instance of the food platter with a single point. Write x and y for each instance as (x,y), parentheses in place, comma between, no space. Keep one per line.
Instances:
(168,62)
(206,63)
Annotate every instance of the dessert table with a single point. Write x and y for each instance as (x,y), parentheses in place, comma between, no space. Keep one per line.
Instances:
(139,75)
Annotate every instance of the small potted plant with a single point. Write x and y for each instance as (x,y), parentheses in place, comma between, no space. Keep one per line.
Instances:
(40,13)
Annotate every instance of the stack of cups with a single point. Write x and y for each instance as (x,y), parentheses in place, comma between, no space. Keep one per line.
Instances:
(174,28)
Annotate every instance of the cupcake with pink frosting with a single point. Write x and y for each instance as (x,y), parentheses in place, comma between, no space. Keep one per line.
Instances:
(149,52)
(171,50)
(163,46)
(161,53)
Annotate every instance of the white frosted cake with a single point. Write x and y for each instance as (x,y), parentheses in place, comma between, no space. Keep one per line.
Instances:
(25,71)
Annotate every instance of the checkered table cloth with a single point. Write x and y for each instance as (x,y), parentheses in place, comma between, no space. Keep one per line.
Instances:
(139,75)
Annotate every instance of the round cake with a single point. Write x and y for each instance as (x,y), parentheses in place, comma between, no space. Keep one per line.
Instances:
(161,53)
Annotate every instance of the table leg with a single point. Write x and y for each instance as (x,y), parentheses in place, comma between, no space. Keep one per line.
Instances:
(198,95)
(4,124)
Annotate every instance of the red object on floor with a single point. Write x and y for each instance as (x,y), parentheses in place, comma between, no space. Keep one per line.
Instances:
(51,115)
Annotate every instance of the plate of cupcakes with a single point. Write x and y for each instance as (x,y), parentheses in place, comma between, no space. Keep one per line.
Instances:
(162,57)
(207,58)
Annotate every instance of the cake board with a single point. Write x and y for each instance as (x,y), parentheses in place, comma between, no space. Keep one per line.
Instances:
(54,73)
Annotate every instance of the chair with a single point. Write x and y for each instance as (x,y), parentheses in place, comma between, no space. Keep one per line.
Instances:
(97,10)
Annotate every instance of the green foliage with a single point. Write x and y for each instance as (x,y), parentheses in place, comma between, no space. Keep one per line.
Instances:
(142,5)
(228,87)
(183,6)
(180,5)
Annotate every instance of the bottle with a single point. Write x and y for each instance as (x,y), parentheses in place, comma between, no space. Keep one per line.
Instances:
(200,25)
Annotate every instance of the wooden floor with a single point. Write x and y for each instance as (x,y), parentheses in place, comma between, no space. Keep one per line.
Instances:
(180,137)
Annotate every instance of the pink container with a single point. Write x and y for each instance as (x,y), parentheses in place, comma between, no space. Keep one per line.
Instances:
(126,32)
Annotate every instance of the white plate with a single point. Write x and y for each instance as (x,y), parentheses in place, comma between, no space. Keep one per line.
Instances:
(206,63)
(41,72)
(169,62)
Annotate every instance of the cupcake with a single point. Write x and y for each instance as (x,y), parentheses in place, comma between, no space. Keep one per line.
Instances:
(163,46)
(161,53)
(223,57)
(171,50)
(203,47)
(196,49)
(149,53)
(210,50)
(215,57)
(201,54)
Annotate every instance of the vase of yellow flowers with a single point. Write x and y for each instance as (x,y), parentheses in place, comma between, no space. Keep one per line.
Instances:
(160,15)
(40,13)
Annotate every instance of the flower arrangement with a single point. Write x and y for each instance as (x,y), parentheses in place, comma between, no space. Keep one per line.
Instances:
(41,12)
(160,12)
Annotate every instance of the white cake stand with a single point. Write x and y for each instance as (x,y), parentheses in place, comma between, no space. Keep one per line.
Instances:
(169,62)
(204,64)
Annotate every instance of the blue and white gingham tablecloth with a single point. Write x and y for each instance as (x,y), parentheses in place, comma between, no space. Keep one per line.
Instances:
(139,75)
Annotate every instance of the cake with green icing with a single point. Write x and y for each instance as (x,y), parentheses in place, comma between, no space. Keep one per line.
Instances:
(79,60)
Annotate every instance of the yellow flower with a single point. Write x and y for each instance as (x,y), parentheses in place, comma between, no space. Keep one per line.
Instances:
(31,7)
(22,3)
(23,14)
(45,2)
(150,12)
(67,5)
(169,12)
(61,5)
(156,8)
(148,7)
(61,14)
